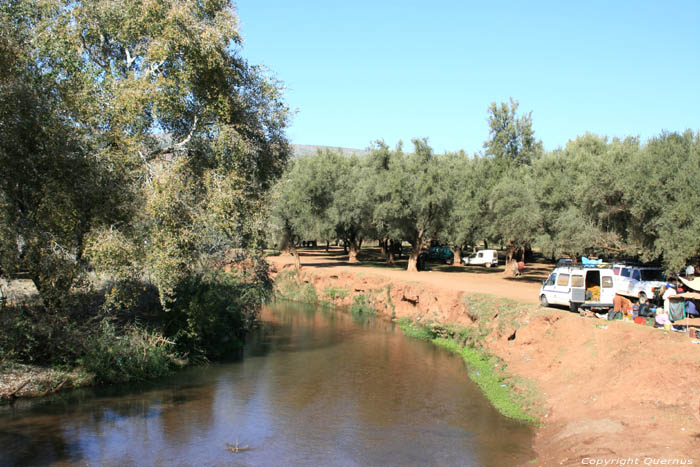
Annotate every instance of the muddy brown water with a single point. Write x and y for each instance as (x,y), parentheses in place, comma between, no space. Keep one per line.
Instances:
(314,387)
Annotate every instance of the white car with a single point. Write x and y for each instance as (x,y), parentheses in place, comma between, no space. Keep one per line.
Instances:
(637,281)
(486,258)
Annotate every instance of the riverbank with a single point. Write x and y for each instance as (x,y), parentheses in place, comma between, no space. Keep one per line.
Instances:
(609,390)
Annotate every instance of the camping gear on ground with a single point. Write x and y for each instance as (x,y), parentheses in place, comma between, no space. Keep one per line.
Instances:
(645,310)
(640,320)
(662,318)
(676,310)
(614,315)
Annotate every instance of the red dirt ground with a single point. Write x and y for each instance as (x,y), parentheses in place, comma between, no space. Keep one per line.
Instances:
(612,390)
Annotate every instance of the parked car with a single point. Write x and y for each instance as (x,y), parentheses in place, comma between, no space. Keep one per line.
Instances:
(486,258)
(577,286)
(564,262)
(442,254)
(637,281)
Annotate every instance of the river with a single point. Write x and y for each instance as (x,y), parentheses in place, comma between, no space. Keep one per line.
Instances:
(314,387)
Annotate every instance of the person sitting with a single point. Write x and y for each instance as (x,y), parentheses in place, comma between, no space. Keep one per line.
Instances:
(621,305)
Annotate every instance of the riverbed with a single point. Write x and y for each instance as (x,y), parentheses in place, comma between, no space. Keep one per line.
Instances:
(313,387)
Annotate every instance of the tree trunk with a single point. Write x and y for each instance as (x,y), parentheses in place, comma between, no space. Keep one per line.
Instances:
(413,258)
(297,258)
(328,245)
(511,263)
(382,244)
(413,261)
(354,245)
(390,258)
(457,253)
(352,254)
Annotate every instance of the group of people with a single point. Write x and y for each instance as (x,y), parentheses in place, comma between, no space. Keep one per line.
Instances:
(662,308)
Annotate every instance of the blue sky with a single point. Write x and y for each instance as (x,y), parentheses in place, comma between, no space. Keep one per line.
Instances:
(365,70)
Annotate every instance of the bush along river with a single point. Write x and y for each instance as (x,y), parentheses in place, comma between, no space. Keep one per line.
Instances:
(314,387)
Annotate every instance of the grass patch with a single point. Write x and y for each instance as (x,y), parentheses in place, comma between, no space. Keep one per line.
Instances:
(334,292)
(290,286)
(414,330)
(513,397)
(361,304)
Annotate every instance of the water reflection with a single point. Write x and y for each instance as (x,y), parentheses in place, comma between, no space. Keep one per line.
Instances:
(314,388)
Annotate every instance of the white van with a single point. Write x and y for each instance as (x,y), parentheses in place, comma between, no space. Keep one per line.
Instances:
(486,258)
(575,286)
(637,281)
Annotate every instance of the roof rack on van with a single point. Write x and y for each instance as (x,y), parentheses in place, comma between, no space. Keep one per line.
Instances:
(587,266)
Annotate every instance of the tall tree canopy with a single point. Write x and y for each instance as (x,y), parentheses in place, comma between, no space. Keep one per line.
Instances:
(147,108)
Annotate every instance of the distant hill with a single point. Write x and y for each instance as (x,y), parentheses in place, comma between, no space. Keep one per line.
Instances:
(300,150)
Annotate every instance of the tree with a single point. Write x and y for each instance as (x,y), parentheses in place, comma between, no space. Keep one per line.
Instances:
(511,138)
(468,184)
(158,93)
(664,199)
(413,200)
(515,209)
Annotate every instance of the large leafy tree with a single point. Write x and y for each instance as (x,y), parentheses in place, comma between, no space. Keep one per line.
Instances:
(413,200)
(664,199)
(157,94)
(516,212)
(468,181)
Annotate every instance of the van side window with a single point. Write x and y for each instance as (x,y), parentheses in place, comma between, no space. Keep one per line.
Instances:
(577,281)
(563,279)
(607,282)
(480,255)
(551,280)
(626,272)
(636,275)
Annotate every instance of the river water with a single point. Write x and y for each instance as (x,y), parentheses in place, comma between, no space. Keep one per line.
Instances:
(314,387)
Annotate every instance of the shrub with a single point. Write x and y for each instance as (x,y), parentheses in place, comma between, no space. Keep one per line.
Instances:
(362,305)
(288,286)
(134,355)
(211,315)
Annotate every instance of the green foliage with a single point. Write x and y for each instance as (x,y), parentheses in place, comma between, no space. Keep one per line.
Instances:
(415,330)
(511,138)
(362,304)
(31,334)
(135,354)
(333,293)
(138,139)
(289,286)
(211,314)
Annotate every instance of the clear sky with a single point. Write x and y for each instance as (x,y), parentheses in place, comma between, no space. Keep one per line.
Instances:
(365,70)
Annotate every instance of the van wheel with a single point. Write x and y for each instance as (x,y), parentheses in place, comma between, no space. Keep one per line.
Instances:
(573,307)
(543,301)
(488,265)
(642,297)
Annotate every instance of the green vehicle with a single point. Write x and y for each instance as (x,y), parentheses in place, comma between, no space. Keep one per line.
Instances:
(442,254)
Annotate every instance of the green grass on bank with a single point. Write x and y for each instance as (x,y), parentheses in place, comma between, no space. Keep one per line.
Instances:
(487,371)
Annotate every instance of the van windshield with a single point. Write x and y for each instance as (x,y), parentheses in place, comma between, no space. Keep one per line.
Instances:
(653,275)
